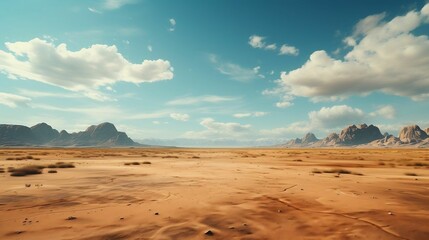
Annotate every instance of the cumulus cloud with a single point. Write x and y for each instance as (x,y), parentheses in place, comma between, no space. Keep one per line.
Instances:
(215,129)
(288,50)
(335,116)
(180,116)
(172,24)
(256,41)
(250,114)
(82,71)
(12,100)
(200,99)
(387,112)
(384,56)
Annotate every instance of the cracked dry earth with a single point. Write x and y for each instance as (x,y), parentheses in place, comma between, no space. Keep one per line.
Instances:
(234,193)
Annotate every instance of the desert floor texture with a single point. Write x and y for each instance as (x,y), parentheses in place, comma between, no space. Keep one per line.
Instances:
(216,194)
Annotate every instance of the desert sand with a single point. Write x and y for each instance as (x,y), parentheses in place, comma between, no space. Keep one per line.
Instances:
(217,194)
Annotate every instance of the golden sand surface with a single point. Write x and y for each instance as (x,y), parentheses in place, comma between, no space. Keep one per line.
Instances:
(233,193)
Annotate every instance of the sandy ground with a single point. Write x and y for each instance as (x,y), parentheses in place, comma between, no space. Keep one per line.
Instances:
(234,193)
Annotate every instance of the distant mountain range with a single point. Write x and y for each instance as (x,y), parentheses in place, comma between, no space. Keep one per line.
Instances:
(102,135)
(364,136)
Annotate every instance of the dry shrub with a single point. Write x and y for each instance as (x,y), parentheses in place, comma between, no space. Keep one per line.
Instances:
(146,162)
(52,171)
(411,174)
(27,170)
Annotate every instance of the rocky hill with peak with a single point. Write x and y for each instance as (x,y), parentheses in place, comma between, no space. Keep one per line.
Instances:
(363,135)
(102,135)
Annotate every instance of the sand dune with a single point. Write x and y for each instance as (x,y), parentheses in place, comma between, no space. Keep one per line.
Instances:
(234,193)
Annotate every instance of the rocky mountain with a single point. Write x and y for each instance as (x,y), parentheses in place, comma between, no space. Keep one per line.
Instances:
(361,134)
(309,138)
(102,135)
(365,136)
(16,135)
(412,134)
(44,133)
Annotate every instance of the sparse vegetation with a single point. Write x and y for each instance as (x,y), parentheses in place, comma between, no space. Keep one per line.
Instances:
(337,171)
(131,163)
(410,174)
(28,157)
(52,171)
(61,165)
(27,170)
(146,162)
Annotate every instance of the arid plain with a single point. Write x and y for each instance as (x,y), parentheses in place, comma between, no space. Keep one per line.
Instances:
(216,194)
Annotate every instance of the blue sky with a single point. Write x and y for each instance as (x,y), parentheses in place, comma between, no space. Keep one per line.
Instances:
(259,71)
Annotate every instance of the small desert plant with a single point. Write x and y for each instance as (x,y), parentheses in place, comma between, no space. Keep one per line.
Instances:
(52,171)
(146,162)
(317,171)
(27,170)
(65,165)
(410,174)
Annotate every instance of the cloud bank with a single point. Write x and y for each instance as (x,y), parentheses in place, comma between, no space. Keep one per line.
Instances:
(385,56)
(85,70)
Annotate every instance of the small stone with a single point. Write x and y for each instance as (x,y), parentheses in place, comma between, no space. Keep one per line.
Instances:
(390,213)
(121,218)
(156,213)
(279,211)
(209,233)
(27,185)
(71,218)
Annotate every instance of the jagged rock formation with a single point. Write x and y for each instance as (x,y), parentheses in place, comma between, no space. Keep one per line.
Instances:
(361,134)
(427,131)
(365,136)
(105,135)
(331,140)
(412,134)
(309,138)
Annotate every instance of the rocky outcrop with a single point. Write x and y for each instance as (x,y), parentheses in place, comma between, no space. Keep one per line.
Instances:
(331,140)
(412,134)
(427,131)
(361,134)
(103,135)
(309,138)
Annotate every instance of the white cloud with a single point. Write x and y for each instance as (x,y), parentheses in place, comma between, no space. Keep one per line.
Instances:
(94,10)
(82,71)
(257,41)
(149,48)
(235,71)
(288,50)
(296,129)
(384,56)
(172,24)
(386,111)
(13,101)
(41,94)
(284,104)
(271,47)
(180,116)
(335,116)
(200,99)
(115,4)
(250,114)
(215,129)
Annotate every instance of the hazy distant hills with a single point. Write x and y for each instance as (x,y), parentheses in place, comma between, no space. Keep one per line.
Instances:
(365,136)
(102,135)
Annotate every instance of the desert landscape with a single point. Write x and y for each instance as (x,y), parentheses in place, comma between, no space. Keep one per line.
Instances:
(174,193)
